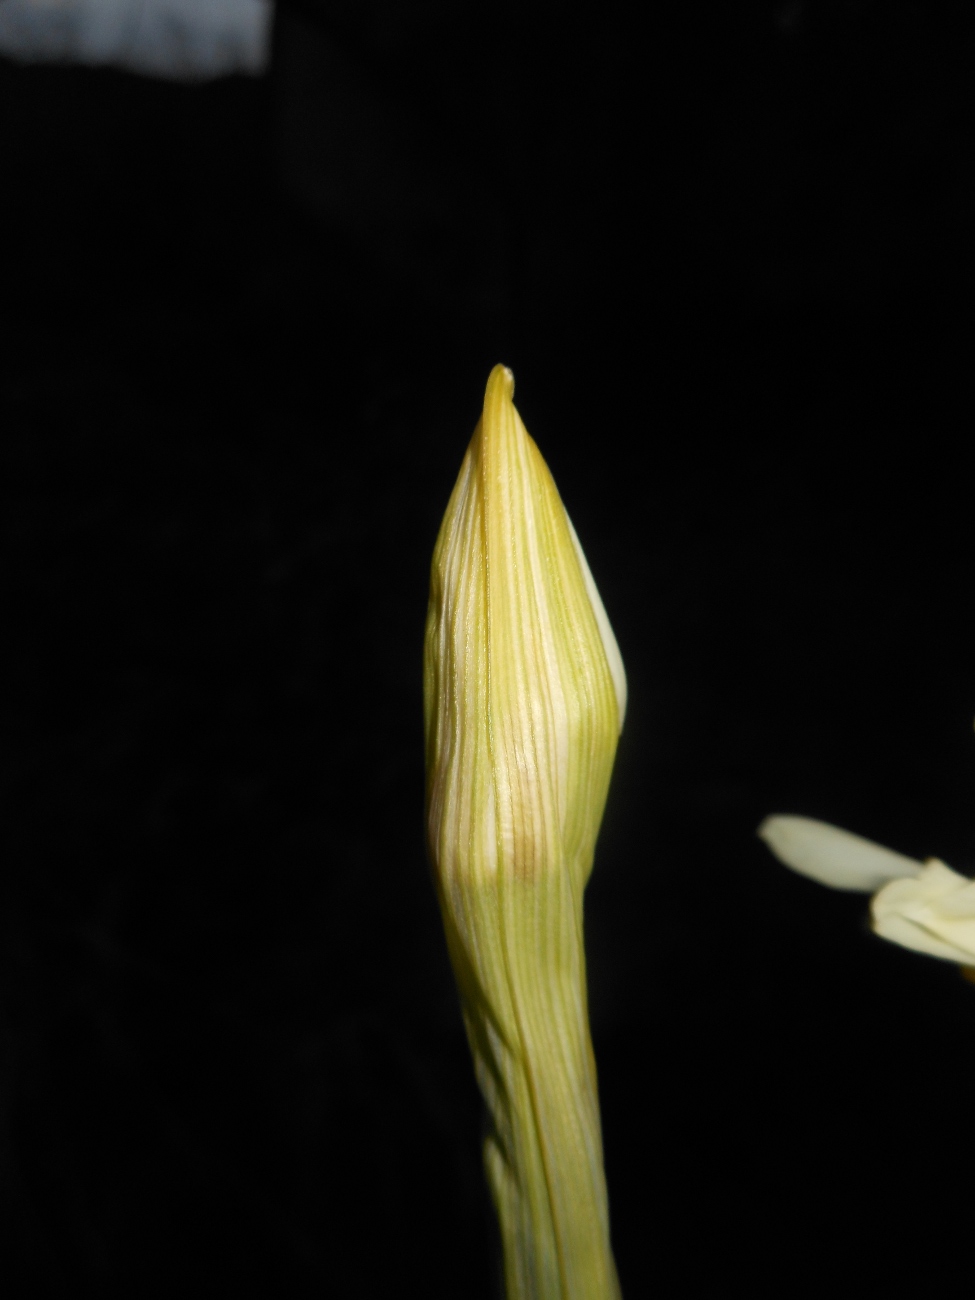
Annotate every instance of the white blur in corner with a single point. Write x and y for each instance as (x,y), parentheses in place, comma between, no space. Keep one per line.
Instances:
(179,40)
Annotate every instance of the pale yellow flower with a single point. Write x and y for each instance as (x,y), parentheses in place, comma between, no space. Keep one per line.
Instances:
(524,695)
(924,906)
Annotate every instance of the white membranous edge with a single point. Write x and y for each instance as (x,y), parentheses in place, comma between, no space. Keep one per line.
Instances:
(613,656)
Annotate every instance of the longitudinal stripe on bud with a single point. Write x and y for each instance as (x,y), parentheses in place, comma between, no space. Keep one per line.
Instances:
(524,700)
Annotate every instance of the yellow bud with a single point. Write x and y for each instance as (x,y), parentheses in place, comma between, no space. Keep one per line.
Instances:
(524,695)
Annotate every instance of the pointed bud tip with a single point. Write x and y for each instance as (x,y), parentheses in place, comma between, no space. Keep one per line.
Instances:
(503,376)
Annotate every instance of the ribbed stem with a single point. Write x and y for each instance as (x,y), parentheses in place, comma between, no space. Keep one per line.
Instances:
(535,1066)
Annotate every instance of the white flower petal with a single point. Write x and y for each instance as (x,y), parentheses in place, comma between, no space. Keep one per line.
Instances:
(933,914)
(833,856)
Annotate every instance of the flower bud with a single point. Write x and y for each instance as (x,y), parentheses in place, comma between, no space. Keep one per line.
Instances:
(524,695)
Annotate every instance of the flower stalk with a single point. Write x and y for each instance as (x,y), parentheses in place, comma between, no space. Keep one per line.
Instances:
(524,696)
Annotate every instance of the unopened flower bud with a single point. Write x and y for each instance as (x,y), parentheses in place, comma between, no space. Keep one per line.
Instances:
(524,695)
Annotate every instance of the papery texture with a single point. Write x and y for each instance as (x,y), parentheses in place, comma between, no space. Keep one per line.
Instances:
(524,698)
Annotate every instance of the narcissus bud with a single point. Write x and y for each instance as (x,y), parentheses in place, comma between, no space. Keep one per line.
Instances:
(524,695)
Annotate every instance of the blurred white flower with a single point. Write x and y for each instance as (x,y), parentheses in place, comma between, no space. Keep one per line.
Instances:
(832,856)
(923,906)
(934,913)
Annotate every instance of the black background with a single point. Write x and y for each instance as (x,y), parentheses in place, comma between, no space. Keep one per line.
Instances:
(245,332)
